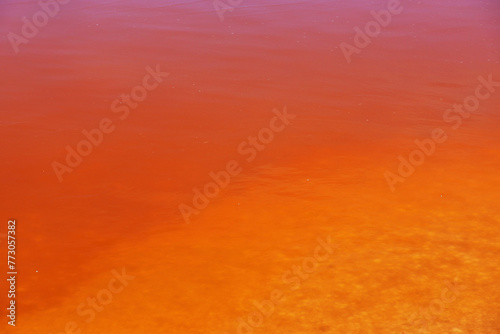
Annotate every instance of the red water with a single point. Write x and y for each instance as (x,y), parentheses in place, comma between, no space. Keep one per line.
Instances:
(323,175)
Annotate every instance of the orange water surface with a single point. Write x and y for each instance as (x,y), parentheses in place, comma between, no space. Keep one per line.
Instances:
(420,256)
